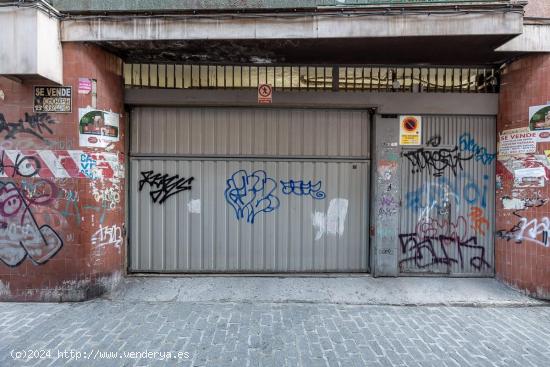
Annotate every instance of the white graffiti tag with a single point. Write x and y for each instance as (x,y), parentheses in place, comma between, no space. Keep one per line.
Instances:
(533,231)
(107,236)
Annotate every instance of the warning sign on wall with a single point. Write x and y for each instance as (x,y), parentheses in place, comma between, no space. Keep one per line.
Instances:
(410,130)
(265,93)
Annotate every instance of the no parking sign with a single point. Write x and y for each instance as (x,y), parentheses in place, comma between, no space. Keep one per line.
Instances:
(410,130)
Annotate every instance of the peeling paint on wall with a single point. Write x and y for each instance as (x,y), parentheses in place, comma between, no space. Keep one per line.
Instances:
(4,289)
(512,203)
(194,206)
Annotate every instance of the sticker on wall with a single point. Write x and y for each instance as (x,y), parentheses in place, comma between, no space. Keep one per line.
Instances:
(517,143)
(84,85)
(97,128)
(52,99)
(543,136)
(539,117)
(410,130)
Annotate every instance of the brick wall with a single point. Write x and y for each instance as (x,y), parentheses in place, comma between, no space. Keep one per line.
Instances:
(522,247)
(61,217)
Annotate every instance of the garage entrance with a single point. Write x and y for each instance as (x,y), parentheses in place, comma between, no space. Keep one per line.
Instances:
(257,190)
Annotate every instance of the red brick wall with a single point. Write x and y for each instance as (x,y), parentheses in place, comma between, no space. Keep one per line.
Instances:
(523,246)
(538,9)
(65,240)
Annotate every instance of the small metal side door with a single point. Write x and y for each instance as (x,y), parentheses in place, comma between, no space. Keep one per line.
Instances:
(447,193)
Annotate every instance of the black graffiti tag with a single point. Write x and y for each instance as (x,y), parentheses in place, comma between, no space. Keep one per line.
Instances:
(24,166)
(428,251)
(166,186)
(35,125)
(436,160)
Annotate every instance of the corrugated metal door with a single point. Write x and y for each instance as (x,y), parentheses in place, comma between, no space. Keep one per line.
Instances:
(249,190)
(447,220)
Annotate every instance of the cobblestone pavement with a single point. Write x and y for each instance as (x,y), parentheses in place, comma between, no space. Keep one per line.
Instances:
(271,334)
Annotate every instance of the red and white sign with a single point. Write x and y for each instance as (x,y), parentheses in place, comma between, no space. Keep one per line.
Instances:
(61,164)
(543,136)
(265,93)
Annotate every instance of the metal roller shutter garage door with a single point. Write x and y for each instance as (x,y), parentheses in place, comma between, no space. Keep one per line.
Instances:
(225,190)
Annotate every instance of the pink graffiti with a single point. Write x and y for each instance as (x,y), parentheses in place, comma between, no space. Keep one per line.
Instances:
(431,228)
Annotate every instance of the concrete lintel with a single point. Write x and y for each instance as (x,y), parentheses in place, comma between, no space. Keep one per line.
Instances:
(102,6)
(386,103)
(535,38)
(274,27)
(30,46)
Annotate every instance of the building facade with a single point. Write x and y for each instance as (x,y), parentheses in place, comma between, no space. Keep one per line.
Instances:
(396,138)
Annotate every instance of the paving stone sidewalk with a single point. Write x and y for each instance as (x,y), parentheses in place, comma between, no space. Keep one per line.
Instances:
(273,334)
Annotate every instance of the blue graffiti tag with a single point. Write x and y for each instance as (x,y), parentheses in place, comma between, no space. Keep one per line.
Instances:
(468,144)
(251,194)
(302,188)
(88,165)
(433,194)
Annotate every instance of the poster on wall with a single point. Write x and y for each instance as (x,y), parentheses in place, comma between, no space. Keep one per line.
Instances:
(97,128)
(52,99)
(410,130)
(529,170)
(539,117)
(84,85)
(517,143)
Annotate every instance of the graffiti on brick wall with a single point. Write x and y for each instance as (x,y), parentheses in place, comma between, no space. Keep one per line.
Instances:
(109,196)
(528,173)
(21,236)
(164,186)
(88,166)
(107,236)
(21,166)
(251,194)
(35,125)
(533,231)
(60,164)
